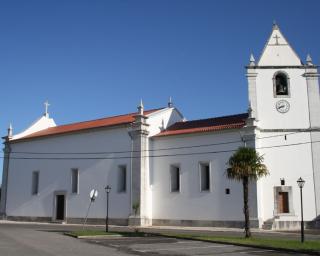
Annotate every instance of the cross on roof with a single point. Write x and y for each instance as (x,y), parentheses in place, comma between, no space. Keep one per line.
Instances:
(46,104)
(276,37)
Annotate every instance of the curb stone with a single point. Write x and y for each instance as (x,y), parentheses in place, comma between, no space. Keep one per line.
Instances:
(94,236)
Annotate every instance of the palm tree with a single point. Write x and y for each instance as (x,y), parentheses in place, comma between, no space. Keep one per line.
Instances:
(246,165)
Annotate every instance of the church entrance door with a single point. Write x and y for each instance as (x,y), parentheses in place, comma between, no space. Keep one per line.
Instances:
(283,202)
(60,207)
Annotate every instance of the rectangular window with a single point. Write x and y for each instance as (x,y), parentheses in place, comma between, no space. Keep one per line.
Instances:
(122,178)
(175,178)
(35,182)
(75,181)
(205,176)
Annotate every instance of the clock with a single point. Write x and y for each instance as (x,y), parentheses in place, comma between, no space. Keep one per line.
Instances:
(282,106)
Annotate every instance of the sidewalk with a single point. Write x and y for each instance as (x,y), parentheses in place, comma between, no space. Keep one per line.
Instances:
(310,233)
(239,230)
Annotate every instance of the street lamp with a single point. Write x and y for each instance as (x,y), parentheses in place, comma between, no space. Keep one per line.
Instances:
(301,182)
(107,189)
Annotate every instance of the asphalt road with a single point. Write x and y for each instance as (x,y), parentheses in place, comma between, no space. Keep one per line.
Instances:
(158,246)
(45,240)
(22,240)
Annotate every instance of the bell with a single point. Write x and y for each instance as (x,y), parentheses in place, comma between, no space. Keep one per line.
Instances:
(281,89)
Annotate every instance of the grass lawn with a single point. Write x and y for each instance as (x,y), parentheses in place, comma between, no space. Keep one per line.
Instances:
(307,246)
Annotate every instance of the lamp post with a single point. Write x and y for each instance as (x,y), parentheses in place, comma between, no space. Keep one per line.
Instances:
(301,182)
(107,189)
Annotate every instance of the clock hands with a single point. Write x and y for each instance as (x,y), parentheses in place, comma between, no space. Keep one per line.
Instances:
(282,106)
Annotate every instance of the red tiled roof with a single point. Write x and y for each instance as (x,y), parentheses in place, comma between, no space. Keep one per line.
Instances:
(206,125)
(86,125)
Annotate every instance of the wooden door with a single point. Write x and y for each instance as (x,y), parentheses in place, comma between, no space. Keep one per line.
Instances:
(283,202)
(60,204)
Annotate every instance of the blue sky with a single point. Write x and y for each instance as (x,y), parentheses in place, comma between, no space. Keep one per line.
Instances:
(92,59)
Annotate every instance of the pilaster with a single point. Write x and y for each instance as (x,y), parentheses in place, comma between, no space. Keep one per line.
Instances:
(139,183)
(252,91)
(312,78)
(5,173)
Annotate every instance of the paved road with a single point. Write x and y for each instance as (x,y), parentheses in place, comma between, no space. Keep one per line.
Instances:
(158,246)
(18,240)
(48,240)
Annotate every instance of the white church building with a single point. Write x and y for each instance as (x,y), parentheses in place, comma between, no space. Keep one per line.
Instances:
(175,170)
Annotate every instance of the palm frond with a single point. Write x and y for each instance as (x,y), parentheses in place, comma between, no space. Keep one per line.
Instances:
(246,162)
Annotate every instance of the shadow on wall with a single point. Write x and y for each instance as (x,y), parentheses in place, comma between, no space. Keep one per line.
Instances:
(172,120)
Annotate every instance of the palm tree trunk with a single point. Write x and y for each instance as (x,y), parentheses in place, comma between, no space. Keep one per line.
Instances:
(245,182)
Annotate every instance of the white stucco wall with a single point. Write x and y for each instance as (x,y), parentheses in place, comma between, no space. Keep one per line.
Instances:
(278,52)
(55,175)
(298,115)
(157,122)
(162,119)
(289,162)
(43,122)
(191,203)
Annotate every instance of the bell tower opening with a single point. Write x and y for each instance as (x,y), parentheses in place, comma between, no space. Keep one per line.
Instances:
(281,84)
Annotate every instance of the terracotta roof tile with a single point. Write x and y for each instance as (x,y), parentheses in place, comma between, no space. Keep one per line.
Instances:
(206,125)
(86,125)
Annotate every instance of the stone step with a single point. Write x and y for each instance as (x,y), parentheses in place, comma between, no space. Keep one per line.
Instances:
(267,225)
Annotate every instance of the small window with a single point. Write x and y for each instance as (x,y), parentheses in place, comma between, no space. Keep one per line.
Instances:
(75,181)
(205,176)
(175,178)
(35,182)
(122,178)
(281,84)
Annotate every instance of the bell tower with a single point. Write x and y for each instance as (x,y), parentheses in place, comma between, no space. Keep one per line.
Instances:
(285,105)
(278,87)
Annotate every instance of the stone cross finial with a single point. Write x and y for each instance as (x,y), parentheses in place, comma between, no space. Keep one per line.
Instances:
(252,60)
(275,25)
(46,104)
(309,60)
(170,104)
(10,131)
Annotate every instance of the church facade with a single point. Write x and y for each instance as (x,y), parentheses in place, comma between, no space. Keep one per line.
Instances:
(164,170)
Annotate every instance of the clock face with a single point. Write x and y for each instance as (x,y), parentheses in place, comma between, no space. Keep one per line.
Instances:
(282,106)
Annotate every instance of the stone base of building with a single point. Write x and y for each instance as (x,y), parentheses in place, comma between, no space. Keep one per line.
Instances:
(29,219)
(204,223)
(91,221)
(139,221)
(295,225)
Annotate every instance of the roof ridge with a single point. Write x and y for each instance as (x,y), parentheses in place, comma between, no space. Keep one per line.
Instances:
(210,118)
(102,118)
(86,125)
(206,125)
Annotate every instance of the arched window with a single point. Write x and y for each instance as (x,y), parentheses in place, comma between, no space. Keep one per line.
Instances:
(281,84)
